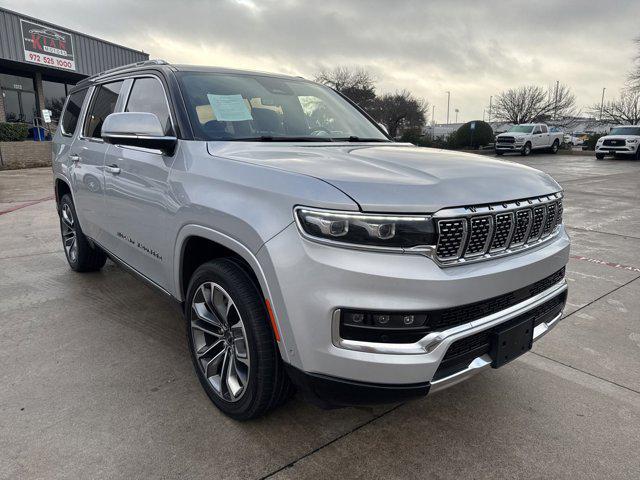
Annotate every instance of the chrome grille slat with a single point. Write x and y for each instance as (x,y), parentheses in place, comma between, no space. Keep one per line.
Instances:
(482,232)
(503,231)
(524,219)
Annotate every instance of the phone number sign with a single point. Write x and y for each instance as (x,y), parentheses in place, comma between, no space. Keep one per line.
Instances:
(47,46)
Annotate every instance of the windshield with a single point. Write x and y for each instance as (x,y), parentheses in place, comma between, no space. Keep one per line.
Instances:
(262,108)
(625,131)
(521,129)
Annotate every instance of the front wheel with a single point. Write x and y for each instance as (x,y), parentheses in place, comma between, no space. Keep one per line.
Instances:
(555,147)
(499,154)
(526,150)
(232,346)
(81,255)
(599,156)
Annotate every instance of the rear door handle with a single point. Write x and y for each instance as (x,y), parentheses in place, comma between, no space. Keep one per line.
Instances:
(112,169)
(74,158)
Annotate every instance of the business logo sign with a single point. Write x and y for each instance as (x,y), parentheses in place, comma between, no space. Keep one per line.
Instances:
(47,46)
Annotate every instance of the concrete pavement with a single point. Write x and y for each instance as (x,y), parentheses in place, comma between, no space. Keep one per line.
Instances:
(96,382)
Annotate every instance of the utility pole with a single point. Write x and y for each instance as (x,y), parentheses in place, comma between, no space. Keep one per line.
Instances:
(433,122)
(448,100)
(457,115)
(602,102)
(490,104)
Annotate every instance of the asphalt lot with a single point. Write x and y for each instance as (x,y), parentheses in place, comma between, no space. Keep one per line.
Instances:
(96,382)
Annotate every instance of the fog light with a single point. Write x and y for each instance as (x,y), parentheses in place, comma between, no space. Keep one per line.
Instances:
(356,317)
(381,320)
(408,319)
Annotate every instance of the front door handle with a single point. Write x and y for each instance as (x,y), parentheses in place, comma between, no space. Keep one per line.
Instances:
(112,169)
(74,158)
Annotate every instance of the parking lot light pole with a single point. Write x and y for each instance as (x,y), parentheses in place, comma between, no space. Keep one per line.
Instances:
(602,102)
(490,104)
(448,100)
(457,115)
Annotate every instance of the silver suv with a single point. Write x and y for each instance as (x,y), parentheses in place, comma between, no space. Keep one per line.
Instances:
(305,247)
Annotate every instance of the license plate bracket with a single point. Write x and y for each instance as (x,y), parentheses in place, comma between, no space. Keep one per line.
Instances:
(510,342)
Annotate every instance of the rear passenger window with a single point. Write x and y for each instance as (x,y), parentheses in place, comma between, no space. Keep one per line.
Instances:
(544,128)
(147,95)
(104,103)
(72,112)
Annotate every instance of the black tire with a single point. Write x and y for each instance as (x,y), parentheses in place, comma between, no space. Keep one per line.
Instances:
(81,255)
(555,147)
(526,149)
(600,156)
(266,383)
(499,154)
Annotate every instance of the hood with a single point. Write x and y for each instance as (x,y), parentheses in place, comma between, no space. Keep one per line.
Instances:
(398,177)
(513,134)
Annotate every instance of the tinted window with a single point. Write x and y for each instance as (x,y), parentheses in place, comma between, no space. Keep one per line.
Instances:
(104,103)
(544,128)
(54,95)
(72,112)
(147,95)
(625,131)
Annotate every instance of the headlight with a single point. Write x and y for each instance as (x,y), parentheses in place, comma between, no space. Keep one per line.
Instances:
(377,231)
(632,140)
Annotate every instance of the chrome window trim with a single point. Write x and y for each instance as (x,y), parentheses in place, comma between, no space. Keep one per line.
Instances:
(430,341)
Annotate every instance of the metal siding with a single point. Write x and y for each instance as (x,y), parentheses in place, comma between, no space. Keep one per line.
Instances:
(91,55)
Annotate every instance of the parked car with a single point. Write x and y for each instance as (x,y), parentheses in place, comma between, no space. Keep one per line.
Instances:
(527,137)
(623,140)
(306,249)
(577,139)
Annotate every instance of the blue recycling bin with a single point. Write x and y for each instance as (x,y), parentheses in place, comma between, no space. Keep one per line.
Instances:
(39,134)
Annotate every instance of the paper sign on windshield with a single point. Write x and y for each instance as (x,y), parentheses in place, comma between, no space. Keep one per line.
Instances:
(229,108)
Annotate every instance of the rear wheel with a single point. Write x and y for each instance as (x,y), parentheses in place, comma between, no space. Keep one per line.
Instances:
(555,147)
(81,255)
(526,150)
(232,345)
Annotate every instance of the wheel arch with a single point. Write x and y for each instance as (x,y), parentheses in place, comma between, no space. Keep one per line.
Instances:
(61,187)
(196,244)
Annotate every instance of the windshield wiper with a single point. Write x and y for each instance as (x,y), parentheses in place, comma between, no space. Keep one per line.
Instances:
(270,138)
(353,138)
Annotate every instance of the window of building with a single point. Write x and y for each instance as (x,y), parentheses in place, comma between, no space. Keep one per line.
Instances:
(104,103)
(16,82)
(54,95)
(72,112)
(147,95)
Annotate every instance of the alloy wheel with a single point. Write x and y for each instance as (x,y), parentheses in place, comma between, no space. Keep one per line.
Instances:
(219,341)
(69,234)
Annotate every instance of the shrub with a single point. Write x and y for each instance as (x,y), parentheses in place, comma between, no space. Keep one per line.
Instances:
(482,135)
(590,142)
(13,132)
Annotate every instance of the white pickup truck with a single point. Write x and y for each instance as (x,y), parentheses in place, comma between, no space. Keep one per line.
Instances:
(526,137)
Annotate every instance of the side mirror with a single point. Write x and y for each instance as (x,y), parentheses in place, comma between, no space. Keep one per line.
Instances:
(137,129)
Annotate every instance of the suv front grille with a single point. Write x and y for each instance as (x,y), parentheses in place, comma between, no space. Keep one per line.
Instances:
(612,142)
(486,231)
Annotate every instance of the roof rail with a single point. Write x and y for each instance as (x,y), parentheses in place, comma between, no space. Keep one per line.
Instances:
(124,67)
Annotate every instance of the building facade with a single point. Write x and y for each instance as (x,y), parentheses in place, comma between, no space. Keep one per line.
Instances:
(40,61)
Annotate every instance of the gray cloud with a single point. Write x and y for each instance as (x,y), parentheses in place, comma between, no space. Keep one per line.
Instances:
(474,49)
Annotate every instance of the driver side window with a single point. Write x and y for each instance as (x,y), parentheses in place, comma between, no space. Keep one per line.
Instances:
(537,130)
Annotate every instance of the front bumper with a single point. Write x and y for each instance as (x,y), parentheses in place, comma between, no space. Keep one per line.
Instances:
(309,282)
(612,150)
(509,147)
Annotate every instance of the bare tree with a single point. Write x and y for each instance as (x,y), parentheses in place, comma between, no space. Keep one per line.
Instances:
(624,110)
(354,82)
(532,103)
(400,111)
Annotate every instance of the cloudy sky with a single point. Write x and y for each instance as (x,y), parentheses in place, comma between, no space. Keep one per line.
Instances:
(473,48)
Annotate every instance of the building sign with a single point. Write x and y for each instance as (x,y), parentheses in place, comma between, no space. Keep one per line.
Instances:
(47,46)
